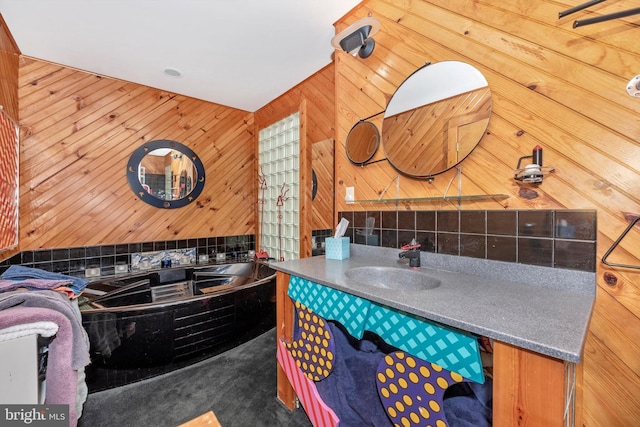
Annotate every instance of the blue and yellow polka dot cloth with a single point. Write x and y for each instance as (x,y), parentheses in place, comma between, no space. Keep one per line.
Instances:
(412,390)
(313,347)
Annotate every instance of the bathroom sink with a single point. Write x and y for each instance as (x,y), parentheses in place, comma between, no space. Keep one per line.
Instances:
(402,279)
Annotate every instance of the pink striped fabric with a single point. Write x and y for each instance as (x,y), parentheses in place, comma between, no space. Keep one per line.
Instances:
(319,413)
(8,183)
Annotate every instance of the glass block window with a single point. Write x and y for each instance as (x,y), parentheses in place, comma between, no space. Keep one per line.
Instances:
(279,193)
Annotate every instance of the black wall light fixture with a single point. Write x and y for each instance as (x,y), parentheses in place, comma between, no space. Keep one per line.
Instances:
(357,38)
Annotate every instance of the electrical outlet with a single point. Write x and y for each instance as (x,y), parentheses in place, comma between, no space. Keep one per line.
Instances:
(350,196)
(92,272)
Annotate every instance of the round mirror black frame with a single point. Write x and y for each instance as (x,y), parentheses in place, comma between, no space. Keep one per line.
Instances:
(136,186)
(370,146)
(473,96)
(314,185)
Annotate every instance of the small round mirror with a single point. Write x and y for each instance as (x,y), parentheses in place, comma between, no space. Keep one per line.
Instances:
(165,174)
(314,184)
(362,142)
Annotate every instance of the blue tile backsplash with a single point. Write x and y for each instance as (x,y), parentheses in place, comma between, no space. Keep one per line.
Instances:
(562,238)
(553,238)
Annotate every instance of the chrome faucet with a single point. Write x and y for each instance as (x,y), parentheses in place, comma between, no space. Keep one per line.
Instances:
(412,252)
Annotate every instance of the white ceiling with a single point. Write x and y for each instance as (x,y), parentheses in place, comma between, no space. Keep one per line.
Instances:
(239,53)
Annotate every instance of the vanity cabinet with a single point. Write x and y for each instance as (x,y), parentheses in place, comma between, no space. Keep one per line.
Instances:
(529,389)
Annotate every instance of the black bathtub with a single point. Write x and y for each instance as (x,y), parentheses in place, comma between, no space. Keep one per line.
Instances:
(147,324)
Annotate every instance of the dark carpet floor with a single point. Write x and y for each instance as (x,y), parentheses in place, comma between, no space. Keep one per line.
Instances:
(239,386)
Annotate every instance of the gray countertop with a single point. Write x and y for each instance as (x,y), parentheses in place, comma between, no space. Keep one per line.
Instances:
(542,309)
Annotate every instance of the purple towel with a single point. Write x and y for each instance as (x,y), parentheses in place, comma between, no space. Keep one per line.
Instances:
(55,301)
(61,377)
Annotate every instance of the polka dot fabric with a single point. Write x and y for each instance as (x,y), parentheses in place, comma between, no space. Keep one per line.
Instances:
(412,390)
(313,347)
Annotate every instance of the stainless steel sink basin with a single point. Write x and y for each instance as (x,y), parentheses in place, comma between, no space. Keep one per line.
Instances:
(392,278)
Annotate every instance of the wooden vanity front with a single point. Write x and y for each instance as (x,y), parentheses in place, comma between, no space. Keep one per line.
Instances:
(530,389)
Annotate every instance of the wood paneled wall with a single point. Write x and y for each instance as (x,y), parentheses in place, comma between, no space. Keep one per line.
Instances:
(322,162)
(319,93)
(553,86)
(78,131)
(315,99)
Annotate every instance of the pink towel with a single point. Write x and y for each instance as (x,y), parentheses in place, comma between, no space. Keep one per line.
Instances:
(55,301)
(62,379)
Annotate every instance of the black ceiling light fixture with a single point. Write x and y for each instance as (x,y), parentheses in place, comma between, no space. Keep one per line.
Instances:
(357,38)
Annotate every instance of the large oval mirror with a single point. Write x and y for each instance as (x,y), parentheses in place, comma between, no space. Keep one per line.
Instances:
(436,118)
(362,142)
(165,174)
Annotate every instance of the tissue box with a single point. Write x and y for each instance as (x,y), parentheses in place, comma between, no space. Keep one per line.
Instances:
(336,248)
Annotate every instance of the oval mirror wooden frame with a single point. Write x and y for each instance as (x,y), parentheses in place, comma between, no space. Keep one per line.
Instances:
(136,186)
